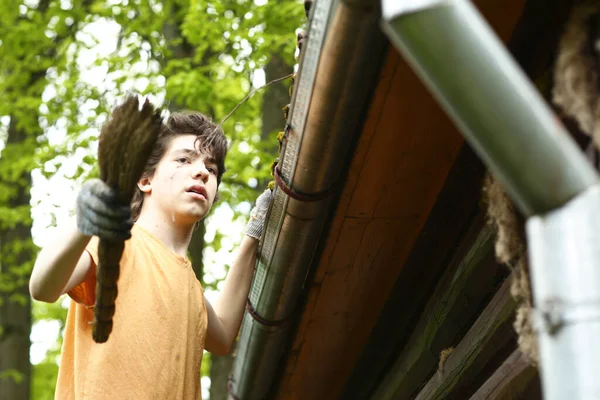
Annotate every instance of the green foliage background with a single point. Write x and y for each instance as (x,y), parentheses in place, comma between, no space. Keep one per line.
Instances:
(196,54)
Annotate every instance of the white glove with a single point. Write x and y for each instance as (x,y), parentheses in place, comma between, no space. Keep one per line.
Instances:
(255,226)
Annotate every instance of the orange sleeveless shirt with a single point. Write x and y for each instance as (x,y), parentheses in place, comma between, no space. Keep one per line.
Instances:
(159,329)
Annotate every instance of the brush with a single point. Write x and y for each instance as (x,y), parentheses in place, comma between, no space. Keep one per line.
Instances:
(125,143)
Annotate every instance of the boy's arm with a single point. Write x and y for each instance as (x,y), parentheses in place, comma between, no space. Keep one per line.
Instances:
(225,318)
(62,264)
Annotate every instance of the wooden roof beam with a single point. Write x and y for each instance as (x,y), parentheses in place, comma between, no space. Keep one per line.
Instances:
(516,377)
(488,335)
(458,298)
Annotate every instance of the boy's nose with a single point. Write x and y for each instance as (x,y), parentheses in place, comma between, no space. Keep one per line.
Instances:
(201,172)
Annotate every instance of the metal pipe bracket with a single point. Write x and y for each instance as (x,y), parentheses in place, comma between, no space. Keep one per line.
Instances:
(555,314)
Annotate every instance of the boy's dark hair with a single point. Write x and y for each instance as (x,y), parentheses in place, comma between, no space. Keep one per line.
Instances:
(210,137)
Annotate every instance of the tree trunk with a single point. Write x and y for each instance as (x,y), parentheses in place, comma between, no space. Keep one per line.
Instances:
(17,250)
(220,368)
(16,255)
(195,250)
(275,97)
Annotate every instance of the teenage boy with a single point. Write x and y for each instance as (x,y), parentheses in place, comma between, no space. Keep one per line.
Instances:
(162,321)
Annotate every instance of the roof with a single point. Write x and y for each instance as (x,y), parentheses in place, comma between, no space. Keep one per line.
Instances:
(406,216)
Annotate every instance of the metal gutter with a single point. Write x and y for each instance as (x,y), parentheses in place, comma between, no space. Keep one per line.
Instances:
(337,71)
(516,134)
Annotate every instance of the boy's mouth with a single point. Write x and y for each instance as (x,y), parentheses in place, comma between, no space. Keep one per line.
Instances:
(197,190)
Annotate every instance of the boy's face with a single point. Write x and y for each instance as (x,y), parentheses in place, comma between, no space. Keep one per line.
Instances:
(184,184)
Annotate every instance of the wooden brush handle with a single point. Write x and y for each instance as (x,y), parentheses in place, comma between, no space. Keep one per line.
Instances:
(107,274)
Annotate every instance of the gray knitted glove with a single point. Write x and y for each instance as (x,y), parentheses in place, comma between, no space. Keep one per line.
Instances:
(258,214)
(99,213)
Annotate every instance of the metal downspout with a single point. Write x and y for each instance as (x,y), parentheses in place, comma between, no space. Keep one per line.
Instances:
(499,111)
(325,117)
(516,134)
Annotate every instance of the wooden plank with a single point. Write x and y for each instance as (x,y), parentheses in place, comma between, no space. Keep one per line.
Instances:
(510,381)
(415,143)
(502,16)
(533,391)
(380,95)
(452,308)
(492,330)
(339,322)
(348,244)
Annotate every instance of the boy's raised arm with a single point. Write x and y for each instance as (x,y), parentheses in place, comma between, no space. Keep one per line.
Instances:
(62,263)
(225,317)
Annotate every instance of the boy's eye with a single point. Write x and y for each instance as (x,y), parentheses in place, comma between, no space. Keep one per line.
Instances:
(183,160)
(212,170)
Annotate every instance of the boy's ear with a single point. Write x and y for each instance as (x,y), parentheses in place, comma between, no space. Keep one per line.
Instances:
(145,185)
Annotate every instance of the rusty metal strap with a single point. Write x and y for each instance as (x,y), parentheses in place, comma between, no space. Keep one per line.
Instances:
(307,198)
(261,320)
